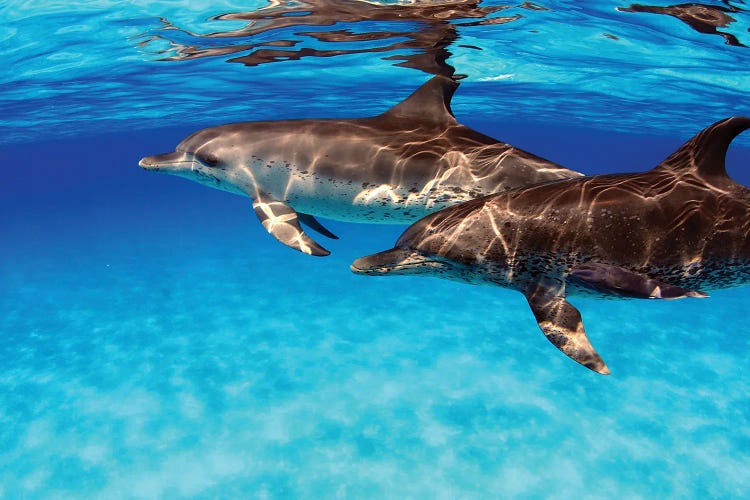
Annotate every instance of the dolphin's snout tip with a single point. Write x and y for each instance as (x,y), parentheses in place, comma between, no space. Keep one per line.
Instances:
(366,266)
(146,163)
(358,266)
(394,260)
(164,162)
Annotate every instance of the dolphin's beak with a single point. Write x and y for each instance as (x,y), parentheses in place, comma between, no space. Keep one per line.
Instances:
(396,260)
(164,162)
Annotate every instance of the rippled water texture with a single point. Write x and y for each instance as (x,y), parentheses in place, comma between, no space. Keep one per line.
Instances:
(156,342)
(609,65)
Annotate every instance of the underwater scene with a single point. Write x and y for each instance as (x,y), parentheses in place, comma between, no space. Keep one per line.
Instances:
(374,249)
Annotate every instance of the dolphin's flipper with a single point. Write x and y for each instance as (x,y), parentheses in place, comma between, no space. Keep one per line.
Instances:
(562,325)
(282,222)
(615,280)
(315,225)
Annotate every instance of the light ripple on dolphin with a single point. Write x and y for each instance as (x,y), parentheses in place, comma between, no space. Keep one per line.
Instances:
(396,167)
(667,233)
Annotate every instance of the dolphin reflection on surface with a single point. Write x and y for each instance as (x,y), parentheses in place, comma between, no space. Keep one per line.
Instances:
(396,167)
(675,231)
(419,32)
(703,18)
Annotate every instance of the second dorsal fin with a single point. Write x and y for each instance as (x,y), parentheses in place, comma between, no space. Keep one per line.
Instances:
(430,102)
(705,153)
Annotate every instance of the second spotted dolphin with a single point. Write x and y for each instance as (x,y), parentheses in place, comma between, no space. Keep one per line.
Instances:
(675,231)
(396,167)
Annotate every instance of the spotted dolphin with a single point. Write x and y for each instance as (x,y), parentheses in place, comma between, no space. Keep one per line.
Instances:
(411,160)
(678,230)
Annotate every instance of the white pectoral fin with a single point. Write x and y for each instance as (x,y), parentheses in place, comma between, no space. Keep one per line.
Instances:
(562,325)
(282,222)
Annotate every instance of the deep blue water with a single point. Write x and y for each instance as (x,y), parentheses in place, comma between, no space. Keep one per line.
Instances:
(155,341)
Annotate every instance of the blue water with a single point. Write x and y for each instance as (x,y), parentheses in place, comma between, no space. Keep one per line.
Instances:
(155,341)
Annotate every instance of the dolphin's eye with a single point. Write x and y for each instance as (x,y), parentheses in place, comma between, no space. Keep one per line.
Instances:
(208,159)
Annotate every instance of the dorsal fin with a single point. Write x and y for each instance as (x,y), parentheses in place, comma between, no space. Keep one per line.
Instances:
(430,102)
(705,153)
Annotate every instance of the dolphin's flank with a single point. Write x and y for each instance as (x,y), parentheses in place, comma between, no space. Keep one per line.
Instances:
(411,160)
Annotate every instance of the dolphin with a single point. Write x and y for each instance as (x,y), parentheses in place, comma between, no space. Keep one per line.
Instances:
(411,160)
(678,230)
(703,18)
(417,34)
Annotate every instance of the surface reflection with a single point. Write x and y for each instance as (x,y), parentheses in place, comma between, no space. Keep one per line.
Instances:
(421,32)
(701,17)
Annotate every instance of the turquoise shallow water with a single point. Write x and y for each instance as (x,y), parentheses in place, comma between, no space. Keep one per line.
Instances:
(216,365)
(155,342)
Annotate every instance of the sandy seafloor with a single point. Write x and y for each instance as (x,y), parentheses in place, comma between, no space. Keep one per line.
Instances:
(156,342)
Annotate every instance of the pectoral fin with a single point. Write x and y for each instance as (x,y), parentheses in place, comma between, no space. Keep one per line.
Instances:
(315,225)
(615,280)
(282,222)
(562,325)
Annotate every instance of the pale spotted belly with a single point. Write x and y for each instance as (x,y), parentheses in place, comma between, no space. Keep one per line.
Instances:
(351,196)
(373,203)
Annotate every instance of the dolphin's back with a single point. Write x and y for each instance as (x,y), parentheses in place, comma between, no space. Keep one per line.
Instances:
(684,220)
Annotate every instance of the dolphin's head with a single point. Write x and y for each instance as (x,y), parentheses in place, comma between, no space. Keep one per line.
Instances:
(441,244)
(397,261)
(416,252)
(205,156)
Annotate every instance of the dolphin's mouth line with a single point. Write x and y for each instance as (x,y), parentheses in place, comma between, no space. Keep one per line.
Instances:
(385,269)
(157,166)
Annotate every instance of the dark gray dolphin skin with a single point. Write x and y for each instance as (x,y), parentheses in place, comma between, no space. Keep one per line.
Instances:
(703,18)
(411,160)
(675,231)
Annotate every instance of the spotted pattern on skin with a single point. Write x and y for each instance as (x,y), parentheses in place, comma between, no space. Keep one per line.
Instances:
(562,325)
(675,231)
(409,162)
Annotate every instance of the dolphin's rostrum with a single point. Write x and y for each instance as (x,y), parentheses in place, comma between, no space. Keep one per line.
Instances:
(411,160)
(675,231)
